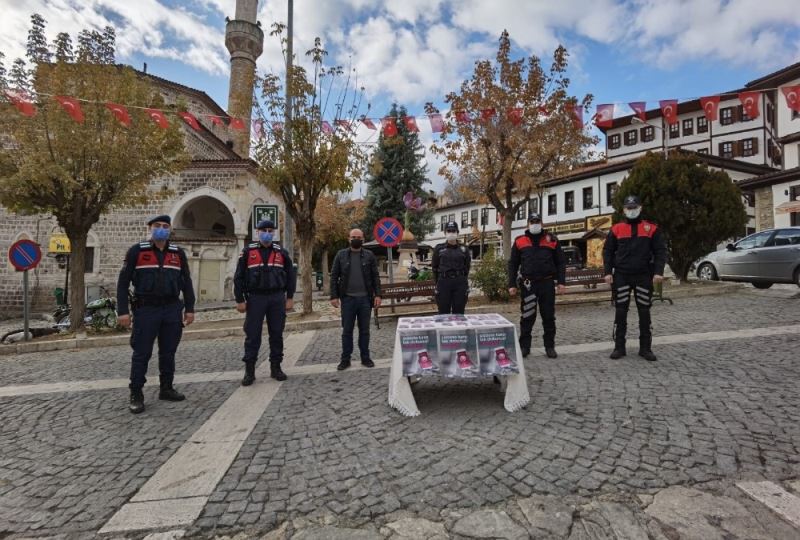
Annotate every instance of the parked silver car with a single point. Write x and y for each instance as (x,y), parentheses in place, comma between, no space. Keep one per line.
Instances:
(763,258)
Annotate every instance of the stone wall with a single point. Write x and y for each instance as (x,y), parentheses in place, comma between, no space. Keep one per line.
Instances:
(765,216)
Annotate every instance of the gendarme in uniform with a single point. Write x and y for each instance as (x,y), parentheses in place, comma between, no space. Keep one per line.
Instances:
(450,266)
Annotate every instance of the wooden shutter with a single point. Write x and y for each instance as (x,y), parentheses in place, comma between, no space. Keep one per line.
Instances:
(737,114)
(755,145)
(721,151)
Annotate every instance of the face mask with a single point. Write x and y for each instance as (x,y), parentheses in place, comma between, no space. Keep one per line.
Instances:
(160,235)
(451,237)
(535,228)
(265,237)
(356,243)
(632,213)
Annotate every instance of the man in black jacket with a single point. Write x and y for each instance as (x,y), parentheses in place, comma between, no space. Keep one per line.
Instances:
(537,261)
(634,256)
(356,288)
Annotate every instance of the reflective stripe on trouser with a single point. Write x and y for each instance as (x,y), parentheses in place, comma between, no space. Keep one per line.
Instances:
(452,294)
(540,294)
(273,308)
(640,287)
(150,323)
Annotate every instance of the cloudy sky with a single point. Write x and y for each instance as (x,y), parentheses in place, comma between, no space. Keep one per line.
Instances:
(414,51)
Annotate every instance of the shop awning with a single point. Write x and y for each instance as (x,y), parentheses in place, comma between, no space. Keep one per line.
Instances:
(788,207)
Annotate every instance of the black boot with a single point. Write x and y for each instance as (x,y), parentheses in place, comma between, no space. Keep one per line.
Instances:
(645,350)
(136,405)
(344,364)
(249,373)
(276,372)
(551,352)
(526,351)
(168,393)
(619,352)
(648,355)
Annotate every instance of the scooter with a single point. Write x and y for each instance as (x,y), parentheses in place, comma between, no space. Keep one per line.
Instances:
(99,313)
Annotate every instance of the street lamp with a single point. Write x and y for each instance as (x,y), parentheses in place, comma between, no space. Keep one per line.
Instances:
(665,145)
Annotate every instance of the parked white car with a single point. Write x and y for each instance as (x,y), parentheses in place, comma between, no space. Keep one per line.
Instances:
(764,258)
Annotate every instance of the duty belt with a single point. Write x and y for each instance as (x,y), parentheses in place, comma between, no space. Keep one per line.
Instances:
(527,280)
(454,273)
(265,292)
(154,301)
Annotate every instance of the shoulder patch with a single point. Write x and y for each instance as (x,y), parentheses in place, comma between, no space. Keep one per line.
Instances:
(253,245)
(145,244)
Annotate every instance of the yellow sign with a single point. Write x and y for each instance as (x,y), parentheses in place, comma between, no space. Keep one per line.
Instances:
(59,243)
(599,222)
(566,228)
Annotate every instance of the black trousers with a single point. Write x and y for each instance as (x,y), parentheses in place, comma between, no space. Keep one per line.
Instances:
(541,294)
(271,306)
(163,323)
(640,287)
(452,294)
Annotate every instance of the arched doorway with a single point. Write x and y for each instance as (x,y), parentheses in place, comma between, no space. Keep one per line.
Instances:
(204,218)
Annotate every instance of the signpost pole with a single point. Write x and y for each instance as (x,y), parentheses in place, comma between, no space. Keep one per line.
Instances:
(26,308)
(391,274)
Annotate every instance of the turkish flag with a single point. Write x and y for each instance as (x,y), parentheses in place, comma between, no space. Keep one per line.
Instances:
(640,108)
(236,123)
(576,111)
(23,104)
(515,115)
(488,114)
(389,126)
(190,119)
(500,218)
(669,108)
(750,103)
(258,128)
(710,106)
(411,124)
(604,117)
(72,106)
(368,122)
(158,117)
(326,127)
(437,122)
(792,95)
(463,117)
(217,120)
(120,113)
(343,123)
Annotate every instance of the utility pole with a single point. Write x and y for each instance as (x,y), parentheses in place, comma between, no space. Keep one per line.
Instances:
(288,236)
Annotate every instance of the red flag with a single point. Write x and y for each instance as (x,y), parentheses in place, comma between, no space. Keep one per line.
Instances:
(368,122)
(750,103)
(515,115)
(343,123)
(120,113)
(277,126)
(23,104)
(258,128)
(792,95)
(411,124)
(326,127)
(72,106)
(463,117)
(236,123)
(640,108)
(576,111)
(669,108)
(158,117)
(488,114)
(190,119)
(217,120)
(389,126)
(543,110)
(604,117)
(500,219)
(437,123)
(710,106)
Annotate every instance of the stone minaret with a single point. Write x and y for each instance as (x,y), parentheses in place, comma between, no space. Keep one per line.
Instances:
(245,41)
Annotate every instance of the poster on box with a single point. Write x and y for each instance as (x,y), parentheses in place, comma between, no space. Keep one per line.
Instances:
(458,352)
(418,348)
(497,350)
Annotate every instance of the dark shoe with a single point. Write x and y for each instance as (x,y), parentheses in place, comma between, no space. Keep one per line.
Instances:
(526,352)
(551,352)
(368,363)
(648,355)
(170,394)
(136,405)
(277,373)
(344,364)
(249,373)
(617,354)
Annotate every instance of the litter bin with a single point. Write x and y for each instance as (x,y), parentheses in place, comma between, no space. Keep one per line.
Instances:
(318,280)
(58,292)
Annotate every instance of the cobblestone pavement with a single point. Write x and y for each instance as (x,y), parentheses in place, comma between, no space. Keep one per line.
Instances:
(604,447)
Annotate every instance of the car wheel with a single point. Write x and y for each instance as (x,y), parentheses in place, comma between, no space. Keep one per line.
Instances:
(762,285)
(706,272)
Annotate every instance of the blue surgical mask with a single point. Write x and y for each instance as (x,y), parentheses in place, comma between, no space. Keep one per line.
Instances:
(265,237)
(160,235)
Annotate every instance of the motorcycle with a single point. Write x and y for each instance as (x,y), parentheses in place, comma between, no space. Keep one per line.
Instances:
(99,313)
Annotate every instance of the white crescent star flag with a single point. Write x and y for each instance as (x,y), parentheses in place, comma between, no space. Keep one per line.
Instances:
(22,102)
(710,106)
(190,119)
(669,108)
(605,115)
(120,113)
(792,96)
(72,106)
(437,122)
(158,117)
(750,103)
(640,108)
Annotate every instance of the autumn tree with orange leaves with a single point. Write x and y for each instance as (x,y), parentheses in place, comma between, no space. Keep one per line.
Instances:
(335,217)
(524,129)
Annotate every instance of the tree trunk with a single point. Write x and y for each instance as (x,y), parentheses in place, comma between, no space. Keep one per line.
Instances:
(325,277)
(306,243)
(507,222)
(77,289)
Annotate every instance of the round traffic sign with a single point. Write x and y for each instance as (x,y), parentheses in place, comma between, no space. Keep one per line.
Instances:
(24,254)
(387,232)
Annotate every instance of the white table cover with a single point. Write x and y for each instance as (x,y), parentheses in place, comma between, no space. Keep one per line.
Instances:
(514,384)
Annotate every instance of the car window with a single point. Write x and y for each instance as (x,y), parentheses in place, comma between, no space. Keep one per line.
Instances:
(754,240)
(787,237)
